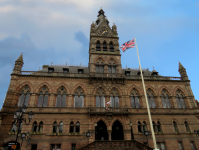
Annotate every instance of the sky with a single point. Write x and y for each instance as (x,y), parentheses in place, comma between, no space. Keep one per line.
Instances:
(58,32)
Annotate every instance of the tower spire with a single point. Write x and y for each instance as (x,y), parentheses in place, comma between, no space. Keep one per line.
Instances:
(101,12)
(182,72)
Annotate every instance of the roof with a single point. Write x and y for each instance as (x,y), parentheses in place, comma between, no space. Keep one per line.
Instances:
(20,58)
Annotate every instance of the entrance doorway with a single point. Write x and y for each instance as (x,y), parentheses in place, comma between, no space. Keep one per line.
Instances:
(117,131)
(102,133)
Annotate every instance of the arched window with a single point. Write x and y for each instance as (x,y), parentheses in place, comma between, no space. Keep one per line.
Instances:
(55,127)
(175,127)
(100,99)
(104,46)
(187,126)
(98,46)
(144,126)
(180,99)
(43,97)
(99,66)
(77,127)
(34,127)
(111,47)
(24,97)
(114,99)
(111,66)
(41,127)
(61,127)
(14,128)
(79,98)
(61,98)
(165,99)
(159,127)
(154,127)
(139,127)
(72,129)
(151,100)
(135,103)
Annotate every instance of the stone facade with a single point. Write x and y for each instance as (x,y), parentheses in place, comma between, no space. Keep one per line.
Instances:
(90,81)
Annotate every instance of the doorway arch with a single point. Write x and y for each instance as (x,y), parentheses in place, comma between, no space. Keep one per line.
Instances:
(101,132)
(117,131)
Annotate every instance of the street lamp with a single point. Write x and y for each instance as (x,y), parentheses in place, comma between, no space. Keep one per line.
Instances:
(132,136)
(196,132)
(18,116)
(146,134)
(95,130)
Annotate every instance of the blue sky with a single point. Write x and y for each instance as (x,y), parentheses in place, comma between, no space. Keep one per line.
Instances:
(58,31)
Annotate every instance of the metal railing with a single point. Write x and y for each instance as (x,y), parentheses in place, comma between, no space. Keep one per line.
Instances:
(111,110)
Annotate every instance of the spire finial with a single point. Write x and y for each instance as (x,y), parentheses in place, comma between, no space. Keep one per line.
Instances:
(153,67)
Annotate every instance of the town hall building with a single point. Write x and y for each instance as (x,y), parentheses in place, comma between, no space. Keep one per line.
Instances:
(69,103)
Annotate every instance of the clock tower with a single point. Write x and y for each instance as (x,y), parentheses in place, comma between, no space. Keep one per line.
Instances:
(104,53)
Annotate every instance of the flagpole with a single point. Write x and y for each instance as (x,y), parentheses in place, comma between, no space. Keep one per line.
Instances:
(149,114)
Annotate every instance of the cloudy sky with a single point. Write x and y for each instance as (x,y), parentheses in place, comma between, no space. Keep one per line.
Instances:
(58,31)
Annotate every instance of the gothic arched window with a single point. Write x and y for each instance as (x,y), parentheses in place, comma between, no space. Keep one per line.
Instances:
(135,103)
(180,100)
(61,98)
(187,126)
(24,97)
(99,66)
(111,47)
(55,127)
(100,99)
(154,127)
(41,127)
(111,66)
(151,100)
(165,99)
(77,127)
(114,99)
(144,126)
(34,127)
(43,97)
(79,98)
(98,46)
(104,46)
(175,126)
(139,127)
(61,127)
(72,127)
(159,127)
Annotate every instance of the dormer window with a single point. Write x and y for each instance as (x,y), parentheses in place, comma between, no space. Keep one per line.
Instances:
(65,70)
(139,73)
(80,71)
(154,74)
(127,73)
(50,69)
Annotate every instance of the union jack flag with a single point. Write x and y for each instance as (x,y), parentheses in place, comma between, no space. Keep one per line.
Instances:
(107,105)
(127,45)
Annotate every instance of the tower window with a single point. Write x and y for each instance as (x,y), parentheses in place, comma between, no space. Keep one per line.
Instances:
(98,47)
(104,46)
(111,48)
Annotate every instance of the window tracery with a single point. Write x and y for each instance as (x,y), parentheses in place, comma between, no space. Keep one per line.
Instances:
(135,103)
(79,98)
(180,99)
(24,97)
(114,99)
(43,97)
(100,98)
(151,100)
(61,97)
(111,66)
(165,99)
(99,66)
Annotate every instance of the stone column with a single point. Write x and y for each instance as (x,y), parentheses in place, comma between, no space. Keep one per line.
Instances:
(109,135)
(51,99)
(70,98)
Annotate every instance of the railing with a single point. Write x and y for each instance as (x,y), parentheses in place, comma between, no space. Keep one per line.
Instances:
(154,77)
(111,110)
(106,75)
(53,74)
(117,145)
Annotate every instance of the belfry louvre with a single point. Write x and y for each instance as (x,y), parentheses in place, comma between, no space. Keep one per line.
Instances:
(69,102)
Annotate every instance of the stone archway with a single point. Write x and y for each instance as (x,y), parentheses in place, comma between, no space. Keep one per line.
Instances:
(117,131)
(101,132)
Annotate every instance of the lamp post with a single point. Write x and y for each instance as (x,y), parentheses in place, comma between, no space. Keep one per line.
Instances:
(95,130)
(196,132)
(132,136)
(18,116)
(146,134)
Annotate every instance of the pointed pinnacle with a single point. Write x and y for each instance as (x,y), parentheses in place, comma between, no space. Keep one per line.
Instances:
(180,66)
(20,58)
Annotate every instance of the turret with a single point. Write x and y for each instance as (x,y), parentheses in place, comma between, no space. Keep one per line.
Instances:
(18,65)
(182,72)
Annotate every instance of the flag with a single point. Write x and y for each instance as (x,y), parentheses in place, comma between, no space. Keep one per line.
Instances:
(107,105)
(127,45)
